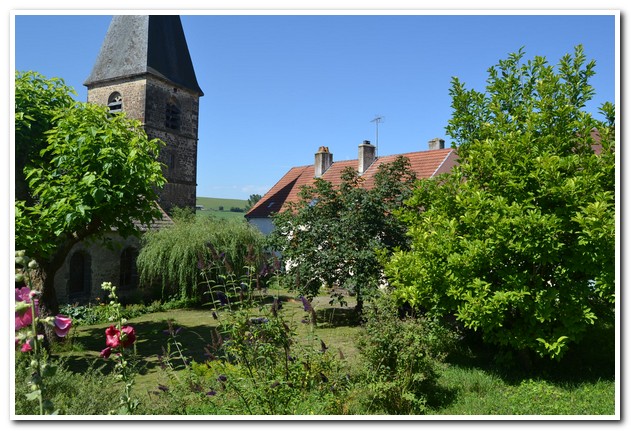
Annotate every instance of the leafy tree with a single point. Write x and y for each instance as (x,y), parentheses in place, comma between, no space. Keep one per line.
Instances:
(336,234)
(37,101)
(519,241)
(86,172)
(252,200)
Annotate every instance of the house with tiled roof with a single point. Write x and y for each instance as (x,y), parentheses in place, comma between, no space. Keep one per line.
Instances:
(425,164)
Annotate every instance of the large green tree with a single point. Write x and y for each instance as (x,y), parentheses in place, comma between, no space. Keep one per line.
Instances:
(336,234)
(518,242)
(80,172)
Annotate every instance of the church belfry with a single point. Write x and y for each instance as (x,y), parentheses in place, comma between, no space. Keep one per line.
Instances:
(145,70)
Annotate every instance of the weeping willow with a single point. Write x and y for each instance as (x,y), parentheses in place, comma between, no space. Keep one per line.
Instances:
(174,258)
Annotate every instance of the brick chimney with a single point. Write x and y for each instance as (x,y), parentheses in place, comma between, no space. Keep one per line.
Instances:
(323,161)
(436,144)
(367,153)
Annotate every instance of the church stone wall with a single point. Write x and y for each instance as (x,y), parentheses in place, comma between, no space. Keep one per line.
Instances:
(132,92)
(104,264)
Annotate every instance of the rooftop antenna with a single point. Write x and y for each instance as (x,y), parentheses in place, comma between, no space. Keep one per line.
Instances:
(378,119)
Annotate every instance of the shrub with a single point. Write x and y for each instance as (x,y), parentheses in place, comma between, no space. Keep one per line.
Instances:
(89,393)
(518,242)
(401,357)
(172,258)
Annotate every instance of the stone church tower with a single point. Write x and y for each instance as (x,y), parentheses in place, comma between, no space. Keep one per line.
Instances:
(144,69)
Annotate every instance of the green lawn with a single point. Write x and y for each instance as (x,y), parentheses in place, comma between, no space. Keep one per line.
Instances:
(470,383)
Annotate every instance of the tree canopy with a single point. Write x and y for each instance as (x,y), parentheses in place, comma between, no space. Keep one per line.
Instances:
(336,234)
(86,172)
(518,242)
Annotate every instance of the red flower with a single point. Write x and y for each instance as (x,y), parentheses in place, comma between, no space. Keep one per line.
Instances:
(112,337)
(26,347)
(105,353)
(62,325)
(128,336)
(123,338)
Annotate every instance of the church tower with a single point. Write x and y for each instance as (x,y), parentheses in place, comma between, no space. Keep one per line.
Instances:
(144,69)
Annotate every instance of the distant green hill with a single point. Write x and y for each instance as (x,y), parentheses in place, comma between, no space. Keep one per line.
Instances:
(217,207)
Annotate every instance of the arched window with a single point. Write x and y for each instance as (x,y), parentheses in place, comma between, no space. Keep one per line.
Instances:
(115,102)
(80,279)
(128,269)
(173,115)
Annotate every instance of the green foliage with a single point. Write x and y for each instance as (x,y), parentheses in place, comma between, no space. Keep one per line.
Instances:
(38,101)
(86,173)
(337,235)
(252,200)
(256,366)
(173,257)
(92,314)
(401,356)
(95,166)
(518,242)
(87,393)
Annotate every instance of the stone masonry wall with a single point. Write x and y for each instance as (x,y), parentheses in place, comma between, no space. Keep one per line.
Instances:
(132,92)
(104,265)
(146,99)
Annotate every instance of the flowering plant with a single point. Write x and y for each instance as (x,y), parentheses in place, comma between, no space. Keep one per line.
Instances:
(27,321)
(118,338)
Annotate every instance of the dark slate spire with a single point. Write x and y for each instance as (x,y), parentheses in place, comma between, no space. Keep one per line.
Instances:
(145,44)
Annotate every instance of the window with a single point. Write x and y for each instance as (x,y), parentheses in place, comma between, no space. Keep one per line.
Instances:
(128,269)
(170,161)
(80,277)
(115,102)
(173,116)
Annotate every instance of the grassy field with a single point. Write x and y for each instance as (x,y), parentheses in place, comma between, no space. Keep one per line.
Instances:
(471,382)
(220,208)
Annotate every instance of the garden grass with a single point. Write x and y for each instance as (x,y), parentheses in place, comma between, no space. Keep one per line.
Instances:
(469,384)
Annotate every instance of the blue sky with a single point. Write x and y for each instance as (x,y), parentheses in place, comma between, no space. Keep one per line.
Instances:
(277,87)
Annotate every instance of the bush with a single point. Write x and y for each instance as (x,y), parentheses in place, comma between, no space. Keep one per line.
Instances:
(172,258)
(88,393)
(519,240)
(401,357)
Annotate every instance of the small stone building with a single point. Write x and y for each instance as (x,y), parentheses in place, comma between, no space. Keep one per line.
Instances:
(145,70)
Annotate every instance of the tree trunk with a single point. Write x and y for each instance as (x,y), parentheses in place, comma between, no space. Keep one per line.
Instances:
(49,305)
(359,307)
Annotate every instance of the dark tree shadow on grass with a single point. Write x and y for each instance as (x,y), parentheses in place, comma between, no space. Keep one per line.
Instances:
(152,343)
(589,361)
(336,317)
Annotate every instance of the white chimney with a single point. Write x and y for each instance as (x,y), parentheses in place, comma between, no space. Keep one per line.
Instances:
(436,144)
(323,161)
(366,157)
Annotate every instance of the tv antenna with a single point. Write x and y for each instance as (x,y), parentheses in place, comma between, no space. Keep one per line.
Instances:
(378,119)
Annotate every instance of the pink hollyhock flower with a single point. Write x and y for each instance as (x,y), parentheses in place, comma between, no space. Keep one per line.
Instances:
(23,319)
(26,347)
(105,353)
(62,325)
(22,294)
(112,337)
(128,336)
